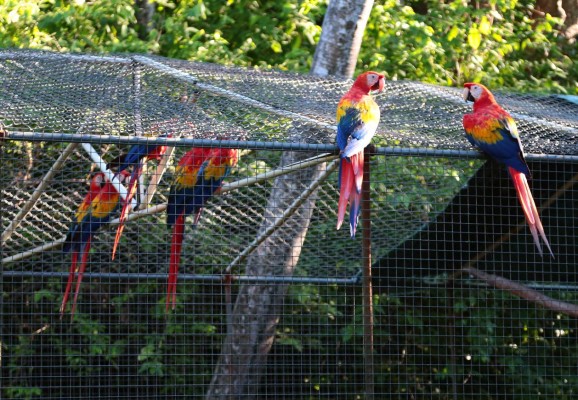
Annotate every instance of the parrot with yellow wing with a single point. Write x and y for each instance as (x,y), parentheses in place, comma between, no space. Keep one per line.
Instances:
(198,175)
(492,129)
(135,158)
(357,119)
(96,209)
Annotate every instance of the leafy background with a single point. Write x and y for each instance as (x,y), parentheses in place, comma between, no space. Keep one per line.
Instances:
(503,43)
(504,348)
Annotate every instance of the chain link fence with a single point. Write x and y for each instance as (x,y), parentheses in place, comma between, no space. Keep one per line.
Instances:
(448,243)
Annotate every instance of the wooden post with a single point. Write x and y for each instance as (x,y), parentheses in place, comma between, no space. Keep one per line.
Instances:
(367,292)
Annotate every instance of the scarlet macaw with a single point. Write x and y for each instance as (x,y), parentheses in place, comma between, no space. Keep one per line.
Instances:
(357,119)
(96,209)
(135,158)
(492,129)
(198,175)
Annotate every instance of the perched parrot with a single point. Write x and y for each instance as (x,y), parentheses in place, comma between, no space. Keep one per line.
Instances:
(492,129)
(96,209)
(135,158)
(357,120)
(198,175)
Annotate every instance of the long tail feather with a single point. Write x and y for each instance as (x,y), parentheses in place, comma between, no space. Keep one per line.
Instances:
(83,262)
(357,161)
(530,210)
(345,188)
(71,274)
(354,209)
(176,247)
(126,206)
(537,220)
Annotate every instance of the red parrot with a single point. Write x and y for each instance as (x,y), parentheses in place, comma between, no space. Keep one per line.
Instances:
(198,175)
(492,129)
(357,119)
(95,210)
(135,158)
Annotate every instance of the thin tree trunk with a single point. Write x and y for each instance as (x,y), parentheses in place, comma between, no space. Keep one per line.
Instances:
(259,307)
(565,9)
(144,10)
(341,35)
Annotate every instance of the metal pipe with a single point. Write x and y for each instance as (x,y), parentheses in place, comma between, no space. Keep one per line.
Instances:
(185,277)
(257,145)
(101,164)
(37,55)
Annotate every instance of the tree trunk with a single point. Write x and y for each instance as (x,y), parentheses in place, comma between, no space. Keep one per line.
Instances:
(565,9)
(259,306)
(341,36)
(144,10)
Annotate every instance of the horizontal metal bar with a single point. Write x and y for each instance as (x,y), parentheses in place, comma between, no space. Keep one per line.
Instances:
(260,279)
(258,145)
(175,142)
(38,55)
(183,277)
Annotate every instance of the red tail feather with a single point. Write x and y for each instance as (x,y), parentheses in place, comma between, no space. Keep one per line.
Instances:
(126,206)
(357,161)
(346,186)
(530,210)
(176,247)
(82,268)
(71,275)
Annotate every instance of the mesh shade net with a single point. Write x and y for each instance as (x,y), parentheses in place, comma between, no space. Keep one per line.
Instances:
(424,175)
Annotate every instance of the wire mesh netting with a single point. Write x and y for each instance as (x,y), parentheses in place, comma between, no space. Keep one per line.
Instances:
(441,219)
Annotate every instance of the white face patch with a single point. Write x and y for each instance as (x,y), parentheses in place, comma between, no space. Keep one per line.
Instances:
(472,93)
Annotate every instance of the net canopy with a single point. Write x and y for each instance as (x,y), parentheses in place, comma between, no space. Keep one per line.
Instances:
(48,100)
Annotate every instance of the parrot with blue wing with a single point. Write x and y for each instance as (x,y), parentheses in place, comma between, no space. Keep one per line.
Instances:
(135,158)
(96,209)
(492,129)
(357,120)
(199,174)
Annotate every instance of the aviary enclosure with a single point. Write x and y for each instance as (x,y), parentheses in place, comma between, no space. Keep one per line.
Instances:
(272,300)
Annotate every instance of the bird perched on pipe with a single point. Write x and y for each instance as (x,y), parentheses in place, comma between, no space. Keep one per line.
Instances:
(357,119)
(135,159)
(198,175)
(493,130)
(97,208)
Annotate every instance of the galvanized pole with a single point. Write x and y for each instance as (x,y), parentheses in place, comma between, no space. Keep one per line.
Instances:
(367,292)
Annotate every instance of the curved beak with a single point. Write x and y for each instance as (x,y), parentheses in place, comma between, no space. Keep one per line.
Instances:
(467,95)
(380,84)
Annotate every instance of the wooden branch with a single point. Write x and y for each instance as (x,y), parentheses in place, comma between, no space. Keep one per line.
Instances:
(522,291)
(38,191)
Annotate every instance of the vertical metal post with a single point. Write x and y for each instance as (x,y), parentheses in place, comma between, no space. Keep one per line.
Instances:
(2,183)
(367,292)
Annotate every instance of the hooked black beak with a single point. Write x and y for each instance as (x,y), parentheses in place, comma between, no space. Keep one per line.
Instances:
(467,95)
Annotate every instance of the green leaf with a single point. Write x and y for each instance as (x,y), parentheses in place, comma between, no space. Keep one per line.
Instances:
(453,33)
(474,38)
(485,26)
(276,47)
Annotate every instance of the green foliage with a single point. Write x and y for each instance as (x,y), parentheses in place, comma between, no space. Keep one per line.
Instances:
(501,42)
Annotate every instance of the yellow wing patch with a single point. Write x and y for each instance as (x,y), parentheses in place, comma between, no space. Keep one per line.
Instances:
(487,132)
(186,176)
(367,107)
(103,205)
(215,171)
(81,213)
